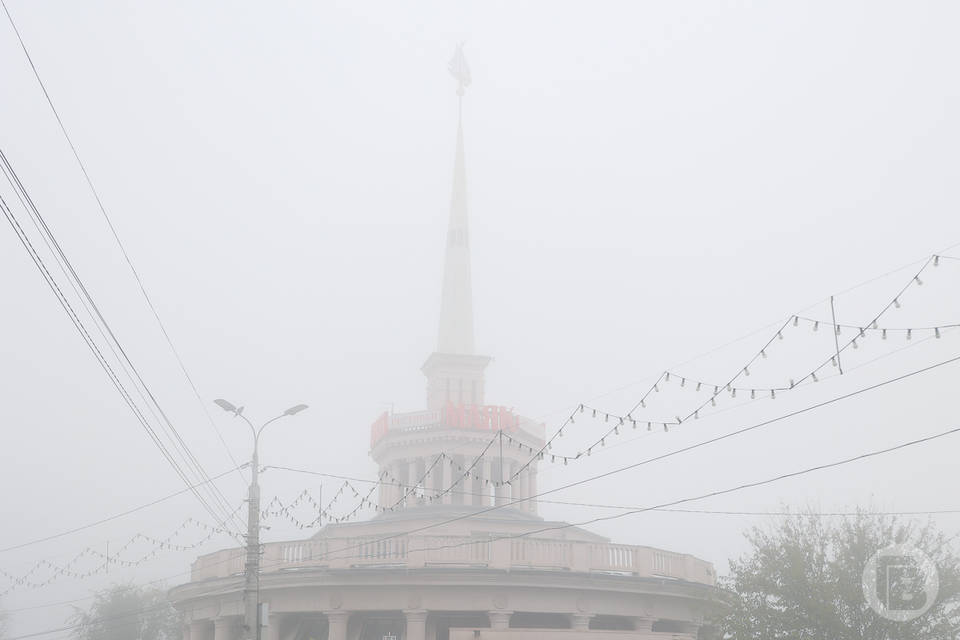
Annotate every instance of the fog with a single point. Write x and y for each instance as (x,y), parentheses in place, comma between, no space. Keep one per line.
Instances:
(652,186)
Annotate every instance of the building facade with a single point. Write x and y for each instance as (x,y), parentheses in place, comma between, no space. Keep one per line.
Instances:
(457,550)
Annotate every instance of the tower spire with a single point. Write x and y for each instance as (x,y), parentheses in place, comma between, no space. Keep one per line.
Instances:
(454,372)
(456,304)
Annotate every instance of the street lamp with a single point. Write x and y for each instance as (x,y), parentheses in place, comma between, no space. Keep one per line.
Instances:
(251,594)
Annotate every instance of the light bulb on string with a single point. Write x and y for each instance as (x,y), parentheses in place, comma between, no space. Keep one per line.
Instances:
(666,376)
(816,325)
(763,353)
(746,371)
(884,334)
(854,344)
(780,335)
(936,331)
(773,394)
(936,261)
(796,320)
(918,280)
(699,384)
(683,382)
(814,376)
(896,302)
(909,334)
(753,394)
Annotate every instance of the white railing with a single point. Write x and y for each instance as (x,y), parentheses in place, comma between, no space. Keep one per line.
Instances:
(502,553)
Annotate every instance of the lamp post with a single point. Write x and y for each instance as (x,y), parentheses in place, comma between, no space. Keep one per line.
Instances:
(251,591)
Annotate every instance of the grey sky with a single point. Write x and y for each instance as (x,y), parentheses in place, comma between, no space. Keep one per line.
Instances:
(647,181)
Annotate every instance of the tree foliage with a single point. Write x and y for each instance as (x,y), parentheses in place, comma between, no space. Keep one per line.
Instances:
(803,580)
(128,612)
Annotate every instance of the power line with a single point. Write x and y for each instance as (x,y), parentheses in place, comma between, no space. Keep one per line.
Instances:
(116,237)
(177,441)
(729,490)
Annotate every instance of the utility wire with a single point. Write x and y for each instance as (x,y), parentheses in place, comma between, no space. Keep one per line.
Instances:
(116,237)
(47,234)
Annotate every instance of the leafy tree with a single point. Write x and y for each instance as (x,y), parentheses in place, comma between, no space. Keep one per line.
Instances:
(128,612)
(803,580)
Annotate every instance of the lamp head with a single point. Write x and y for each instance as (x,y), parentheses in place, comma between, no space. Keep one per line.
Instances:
(226,406)
(295,410)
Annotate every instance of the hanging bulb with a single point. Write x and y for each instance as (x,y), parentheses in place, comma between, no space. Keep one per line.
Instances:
(616,431)
(746,371)
(716,389)
(581,408)
(733,393)
(566,461)
(696,414)
(773,394)
(594,413)
(862,332)
(791,383)
(896,302)
(677,418)
(936,332)
(588,453)
(666,428)
(854,343)
(796,320)
(666,376)
(814,374)
(572,421)
(884,334)
(656,388)
(753,394)
(763,353)
(649,426)
(683,382)
(699,385)
(553,459)
(936,261)
(918,280)
(643,403)
(560,433)
(909,334)
(713,400)
(838,329)
(606,417)
(833,360)
(633,422)
(603,442)
(780,335)
(816,325)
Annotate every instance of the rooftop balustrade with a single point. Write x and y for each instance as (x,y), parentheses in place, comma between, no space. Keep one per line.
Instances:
(504,553)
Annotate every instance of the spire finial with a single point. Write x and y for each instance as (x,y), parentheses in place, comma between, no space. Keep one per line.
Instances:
(460,70)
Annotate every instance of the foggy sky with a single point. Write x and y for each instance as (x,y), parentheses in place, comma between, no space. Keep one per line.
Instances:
(647,181)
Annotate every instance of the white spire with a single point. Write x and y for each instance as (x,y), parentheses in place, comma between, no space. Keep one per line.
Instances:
(456,305)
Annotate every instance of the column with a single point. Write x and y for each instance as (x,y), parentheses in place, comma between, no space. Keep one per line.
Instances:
(532,488)
(501,491)
(447,476)
(416,624)
(408,480)
(523,482)
(337,621)
(580,621)
(457,496)
(483,499)
(199,630)
(226,628)
(499,620)
(272,629)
